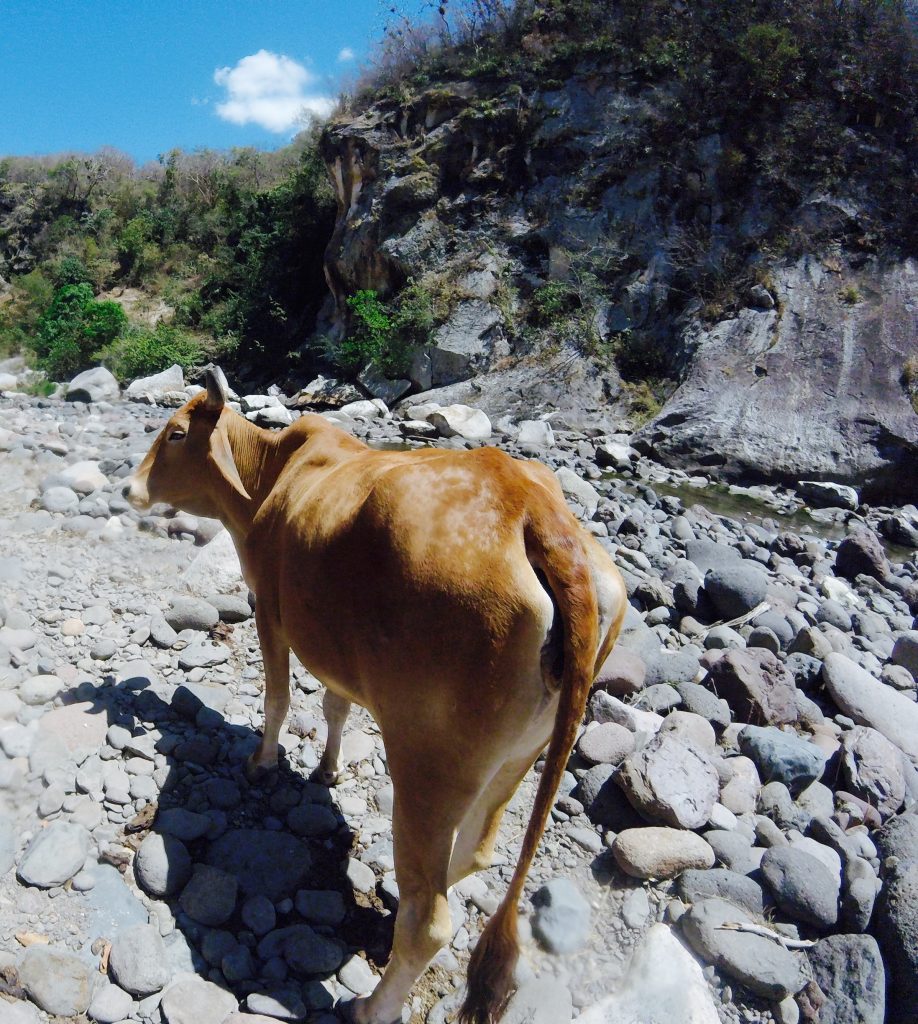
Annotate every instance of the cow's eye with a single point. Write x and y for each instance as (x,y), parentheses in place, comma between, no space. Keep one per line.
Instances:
(176,435)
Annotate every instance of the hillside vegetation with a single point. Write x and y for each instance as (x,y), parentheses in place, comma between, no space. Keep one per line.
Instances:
(747,117)
(199,255)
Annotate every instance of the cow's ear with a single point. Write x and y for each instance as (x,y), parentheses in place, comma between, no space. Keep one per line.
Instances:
(222,456)
(217,388)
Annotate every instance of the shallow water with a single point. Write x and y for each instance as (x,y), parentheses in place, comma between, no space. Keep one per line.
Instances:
(718,500)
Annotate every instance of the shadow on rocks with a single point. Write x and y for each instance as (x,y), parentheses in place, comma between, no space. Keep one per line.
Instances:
(249,882)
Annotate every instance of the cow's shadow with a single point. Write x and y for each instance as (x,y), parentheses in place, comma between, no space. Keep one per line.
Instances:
(253,874)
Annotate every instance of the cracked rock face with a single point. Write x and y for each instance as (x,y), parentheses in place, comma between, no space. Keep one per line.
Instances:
(810,390)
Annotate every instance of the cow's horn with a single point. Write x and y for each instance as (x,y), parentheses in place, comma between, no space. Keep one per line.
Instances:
(217,388)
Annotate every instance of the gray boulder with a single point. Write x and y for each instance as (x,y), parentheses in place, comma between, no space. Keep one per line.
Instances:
(56,980)
(55,855)
(196,1001)
(562,918)
(95,385)
(138,960)
(191,613)
(756,685)
(861,553)
(670,783)
(869,702)
(849,970)
(896,928)
(764,966)
(162,866)
(210,897)
(802,886)
(872,769)
(736,589)
(824,494)
(740,890)
(155,387)
(782,757)
(905,652)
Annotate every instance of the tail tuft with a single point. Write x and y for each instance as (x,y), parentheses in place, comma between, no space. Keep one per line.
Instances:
(491,969)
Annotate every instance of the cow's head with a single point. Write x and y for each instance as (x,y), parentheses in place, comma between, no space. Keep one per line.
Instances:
(191,463)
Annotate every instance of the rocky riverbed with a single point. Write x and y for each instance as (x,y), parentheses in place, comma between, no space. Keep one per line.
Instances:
(735,840)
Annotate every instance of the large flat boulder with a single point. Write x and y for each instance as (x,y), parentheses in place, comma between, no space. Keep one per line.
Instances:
(870,702)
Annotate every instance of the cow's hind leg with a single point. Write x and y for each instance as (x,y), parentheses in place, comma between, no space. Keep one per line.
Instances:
(275,654)
(336,709)
(425,819)
(474,846)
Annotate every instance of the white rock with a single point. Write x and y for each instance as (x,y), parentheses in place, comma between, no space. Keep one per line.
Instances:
(423,411)
(369,409)
(251,403)
(663,983)
(536,432)
(577,489)
(838,590)
(83,477)
(8,381)
(216,569)
(157,385)
(95,385)
(461,420)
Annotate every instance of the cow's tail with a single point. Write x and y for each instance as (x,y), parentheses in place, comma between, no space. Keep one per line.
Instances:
(554,546)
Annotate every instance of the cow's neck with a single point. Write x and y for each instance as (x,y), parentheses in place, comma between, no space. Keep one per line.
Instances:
(260,455)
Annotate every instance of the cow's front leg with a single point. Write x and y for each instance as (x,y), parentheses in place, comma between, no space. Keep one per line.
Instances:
(336,709)
(275,654)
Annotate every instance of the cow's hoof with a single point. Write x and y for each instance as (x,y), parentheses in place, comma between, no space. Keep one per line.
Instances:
(356,1011)
(324,777)
(260,774)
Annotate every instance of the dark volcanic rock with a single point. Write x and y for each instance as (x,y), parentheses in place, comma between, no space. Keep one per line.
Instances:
(896,927)
(273,864)
(861,553)
(756,685)
(849,970)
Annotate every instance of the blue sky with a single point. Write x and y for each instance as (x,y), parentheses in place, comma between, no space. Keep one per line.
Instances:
(145,76)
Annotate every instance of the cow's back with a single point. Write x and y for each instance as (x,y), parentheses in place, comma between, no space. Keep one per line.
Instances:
(407,564)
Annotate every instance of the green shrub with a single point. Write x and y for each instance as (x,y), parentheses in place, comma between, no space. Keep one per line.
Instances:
(553,301)
(141,351)
(386,334)
(70,270)
(372,332)
(19,316)
(73,330)
(771,57)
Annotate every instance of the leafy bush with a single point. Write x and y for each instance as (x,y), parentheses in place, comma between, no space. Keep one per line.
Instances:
(771,57)
(141,351)
(385,334)
(73,329)
(19,315)
(372,334)
(553,301)
(70,270)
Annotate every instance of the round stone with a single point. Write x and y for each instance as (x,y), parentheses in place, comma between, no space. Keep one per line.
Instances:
(658,852)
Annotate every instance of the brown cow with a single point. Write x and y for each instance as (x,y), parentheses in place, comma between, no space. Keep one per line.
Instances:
(452,594)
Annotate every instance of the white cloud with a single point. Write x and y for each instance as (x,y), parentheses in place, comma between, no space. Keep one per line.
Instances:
(270,90)
(346,55)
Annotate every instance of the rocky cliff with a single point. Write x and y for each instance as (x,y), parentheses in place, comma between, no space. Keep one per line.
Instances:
(592,251)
